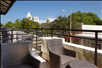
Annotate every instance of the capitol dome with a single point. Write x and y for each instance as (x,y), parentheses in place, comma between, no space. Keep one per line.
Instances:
(28,15)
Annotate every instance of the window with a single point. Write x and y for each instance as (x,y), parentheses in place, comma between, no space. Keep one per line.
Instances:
(99,45)
(91,43)
(76,41)
(86,42)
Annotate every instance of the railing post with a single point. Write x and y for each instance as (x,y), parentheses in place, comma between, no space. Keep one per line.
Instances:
(51,33)
(36,38)
(96,38)
(11,35)
(42,32)
(70,37)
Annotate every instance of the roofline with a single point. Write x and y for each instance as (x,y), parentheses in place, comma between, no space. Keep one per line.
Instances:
(13,1)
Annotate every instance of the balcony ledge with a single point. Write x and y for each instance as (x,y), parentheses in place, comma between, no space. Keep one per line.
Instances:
(83,52)
(82,47)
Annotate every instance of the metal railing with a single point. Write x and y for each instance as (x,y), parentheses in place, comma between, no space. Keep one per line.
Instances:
(31,35)
(52,33)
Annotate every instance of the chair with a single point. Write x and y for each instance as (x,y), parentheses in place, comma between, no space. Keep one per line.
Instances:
(17,55)
(59,56)
(5,35)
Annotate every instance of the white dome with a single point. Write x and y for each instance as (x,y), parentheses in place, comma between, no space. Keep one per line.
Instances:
(28,15)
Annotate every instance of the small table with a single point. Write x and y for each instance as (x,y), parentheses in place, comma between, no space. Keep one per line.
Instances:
(81,64)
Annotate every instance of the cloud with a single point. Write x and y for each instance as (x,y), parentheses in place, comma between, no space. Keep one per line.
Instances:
(50,16)
(54,12)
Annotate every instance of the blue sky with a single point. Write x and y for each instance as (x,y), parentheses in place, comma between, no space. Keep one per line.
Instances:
(50,9)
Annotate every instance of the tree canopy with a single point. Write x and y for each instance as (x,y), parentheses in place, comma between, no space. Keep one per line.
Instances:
(60,22)
(9,24)
(1,25)
(26,23)
(86,18)
(22,24)
(17,24)
(77,17)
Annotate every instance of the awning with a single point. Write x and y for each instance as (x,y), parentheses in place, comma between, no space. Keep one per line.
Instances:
(5,6)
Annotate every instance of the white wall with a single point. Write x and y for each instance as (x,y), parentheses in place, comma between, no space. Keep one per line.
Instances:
(36,19)
(92,27)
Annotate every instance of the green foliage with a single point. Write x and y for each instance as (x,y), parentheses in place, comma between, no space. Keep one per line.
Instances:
(77,17)
(1,25)
(23,24)
(46,31)
(9,24)
(99,22)
(60,23)
(17,24)
(85,18)
(26,23)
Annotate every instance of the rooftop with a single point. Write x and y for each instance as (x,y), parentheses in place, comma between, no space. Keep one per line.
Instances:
(5,6)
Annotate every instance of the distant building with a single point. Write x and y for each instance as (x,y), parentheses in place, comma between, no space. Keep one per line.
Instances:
(41,21)
(32,18)
(49,20)
(87,42)
(29,15)
(91,43)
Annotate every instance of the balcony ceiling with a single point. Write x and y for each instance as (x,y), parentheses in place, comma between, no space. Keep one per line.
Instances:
(5,6)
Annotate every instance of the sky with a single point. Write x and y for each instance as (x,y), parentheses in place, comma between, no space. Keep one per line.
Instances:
(50,9)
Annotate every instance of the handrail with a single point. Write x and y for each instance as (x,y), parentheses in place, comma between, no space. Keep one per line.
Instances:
(36,29)
(55,29)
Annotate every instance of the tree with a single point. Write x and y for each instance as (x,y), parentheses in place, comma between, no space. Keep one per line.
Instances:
(85,18)
(1,25)
(17,24)
(76,18)
(9,24)
(26,23)
(59,23)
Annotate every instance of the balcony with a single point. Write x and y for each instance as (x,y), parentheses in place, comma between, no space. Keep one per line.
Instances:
(39,48)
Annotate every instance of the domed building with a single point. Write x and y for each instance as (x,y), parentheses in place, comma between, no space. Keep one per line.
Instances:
(36,19)
(32,18)
(29,16)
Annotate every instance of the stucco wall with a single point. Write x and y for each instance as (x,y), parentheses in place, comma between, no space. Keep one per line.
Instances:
(86,53)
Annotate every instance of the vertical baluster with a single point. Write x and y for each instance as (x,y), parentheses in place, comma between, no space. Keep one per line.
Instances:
(11,35)
(96,38)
